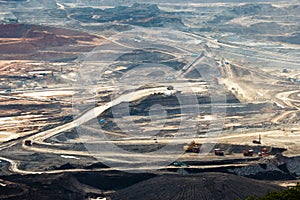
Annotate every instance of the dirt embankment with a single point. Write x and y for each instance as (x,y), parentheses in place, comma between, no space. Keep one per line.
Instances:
(81,185)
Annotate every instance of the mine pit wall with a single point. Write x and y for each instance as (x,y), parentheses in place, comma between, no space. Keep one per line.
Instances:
(140,107)
(231,107)
(30,107)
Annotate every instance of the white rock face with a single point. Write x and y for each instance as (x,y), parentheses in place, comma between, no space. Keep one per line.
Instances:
(272,165)
(293,166)
(254,169)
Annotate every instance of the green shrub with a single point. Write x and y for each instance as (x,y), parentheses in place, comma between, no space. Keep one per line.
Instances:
(293,193)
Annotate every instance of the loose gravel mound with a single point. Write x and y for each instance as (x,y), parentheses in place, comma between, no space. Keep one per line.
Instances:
(208,186)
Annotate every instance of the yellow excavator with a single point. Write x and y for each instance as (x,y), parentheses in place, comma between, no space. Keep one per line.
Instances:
(193,147)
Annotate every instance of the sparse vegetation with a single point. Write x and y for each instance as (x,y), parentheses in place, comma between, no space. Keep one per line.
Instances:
(293,193)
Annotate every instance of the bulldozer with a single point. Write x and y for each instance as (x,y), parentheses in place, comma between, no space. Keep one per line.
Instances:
(192,148)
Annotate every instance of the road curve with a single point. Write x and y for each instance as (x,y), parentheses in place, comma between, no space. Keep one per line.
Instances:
(94,112)
(284,97)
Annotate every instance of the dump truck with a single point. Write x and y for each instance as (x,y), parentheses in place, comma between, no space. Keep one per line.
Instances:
(192,148)
(28,143)
(264,152)
(248,152)
(219,152)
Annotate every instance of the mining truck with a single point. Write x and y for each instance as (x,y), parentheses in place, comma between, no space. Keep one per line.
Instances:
(192,148)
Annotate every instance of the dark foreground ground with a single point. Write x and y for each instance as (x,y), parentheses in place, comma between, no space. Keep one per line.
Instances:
(117,185)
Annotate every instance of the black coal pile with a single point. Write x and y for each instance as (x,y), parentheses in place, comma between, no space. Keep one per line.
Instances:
(213,186)
(62,186)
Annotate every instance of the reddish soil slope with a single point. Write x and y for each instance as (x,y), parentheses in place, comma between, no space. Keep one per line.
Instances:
(34,42)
